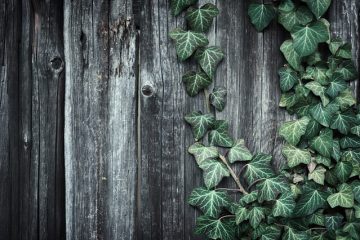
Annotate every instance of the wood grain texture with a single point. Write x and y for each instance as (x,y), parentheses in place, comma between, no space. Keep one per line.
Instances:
(100,119)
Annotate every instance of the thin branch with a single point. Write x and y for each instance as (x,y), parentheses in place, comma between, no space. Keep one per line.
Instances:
(233,175)
(255,182)
(206,92)
(226,216)
(228,189)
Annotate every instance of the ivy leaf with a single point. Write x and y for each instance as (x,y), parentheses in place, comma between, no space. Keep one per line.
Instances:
(249,198)
(343,170)
(318,7)
(286,6)
(239,152)
(318,175)
(353,228)
(336,154)
(345,99)
(323,114)
(177,6)
(317,218)
(348,70)
(209,58)
(355,185)
(195,82)
(256,215)
(293,130)
(323,143)
(214,172)
(323,160)
(261,15)
(301,16)
(310,201)
(200,19)
(340,49)
(215,228)
(318,90)
(271,233)
(209,201)
(296,156)
(312,130)
(288,78)
(292,234)
(307,38)
(218,98)
(356,130)
(187,42)
(219,136)
(259,167)
(202,153)
(333,222)
(350,142)
(284,206)
(294,59)
(241,215)
(343,122)
(336,85)
(200,123)
(343,198)
(269,188)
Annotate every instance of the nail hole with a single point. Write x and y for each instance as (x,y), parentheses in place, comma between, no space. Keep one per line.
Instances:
(56,63)
(147,90)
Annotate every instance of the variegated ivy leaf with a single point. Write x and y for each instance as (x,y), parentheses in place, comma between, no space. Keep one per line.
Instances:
(187,42)
(317,218)
(340,49)
(219,136)
(318,90)
(353,229)
(336,85)
(333,222)
(256,215)
(200,123)
(318,175)
(288,78)
(284,206)
(218,98)
(215,228)
(261,15)
(323,143)
(210,202)
(296,156)
(308,37)
(259,167)
(249,198)
(287,100)
(195,82)
(292,234)
(310,201)
(294,59)
(300,16)
(241,214)
(318,7)
(293,130)
(323,160)
(177,6)
(355,185)
(350,142)
(312,129)
(345,99)
(348,70)
(343,198)
(209,58)
(200,19)
(286,6)
(269,188)
(317,73)
(343,170)
(202,153)
(239,152)
(356,130)
(351,155)
(214,172)
(323,115)
(336,154)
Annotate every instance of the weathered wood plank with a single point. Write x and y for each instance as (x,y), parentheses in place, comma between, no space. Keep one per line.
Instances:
(100,119)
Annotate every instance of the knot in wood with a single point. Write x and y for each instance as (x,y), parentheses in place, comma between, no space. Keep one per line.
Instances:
(147,90)
(57,63)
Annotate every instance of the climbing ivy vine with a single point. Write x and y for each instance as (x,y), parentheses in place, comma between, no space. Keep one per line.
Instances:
(316,194)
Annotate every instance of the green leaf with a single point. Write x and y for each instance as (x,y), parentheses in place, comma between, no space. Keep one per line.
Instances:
(318,175)
(296,156)
(356,130)
(355,185)
(209,201)
(317,218)
(286,6)
(343,198)
(294,59)
(177,6)
(323,160)
(249,198)
(269,188)
(287,100)
(348,70)
(195,82)
(239,152)
(241,215)
(350,142)
(202,153)
(214,172)
(353,229)
(336,85)
(284,206)
(271,233)
(292,234)
(312,130)
(215,228)
(323,143)
(200,123)
(209,58)
(343,122)
(318,90)
(187,42)
(218,98)
(323,114)
(336,154)
(259,167)
(333,222)
(343,170)
(317,73)
(293,130)
(307,38)
(300,16)
(288,78)
(310,201)
(345,99)
(340,49)
(318,7)
(261,15)
(200,19)
(219,136)
(256,215)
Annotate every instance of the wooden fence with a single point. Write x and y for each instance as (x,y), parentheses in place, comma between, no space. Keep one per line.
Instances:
(92,138)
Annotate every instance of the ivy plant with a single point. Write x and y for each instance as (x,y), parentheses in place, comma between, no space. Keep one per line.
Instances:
(316,193)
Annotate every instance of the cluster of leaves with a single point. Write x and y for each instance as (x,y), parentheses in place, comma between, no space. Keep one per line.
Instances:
(316,194)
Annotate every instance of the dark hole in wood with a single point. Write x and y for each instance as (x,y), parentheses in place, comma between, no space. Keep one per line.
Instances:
(56,63)
(147,90)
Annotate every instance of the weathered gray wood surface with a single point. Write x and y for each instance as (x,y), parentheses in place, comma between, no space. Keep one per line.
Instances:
(124,166)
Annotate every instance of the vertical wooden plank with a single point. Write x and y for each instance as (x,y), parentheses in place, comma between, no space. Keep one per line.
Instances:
(100,119)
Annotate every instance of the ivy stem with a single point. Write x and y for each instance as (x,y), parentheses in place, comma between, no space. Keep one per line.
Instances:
(233,175)
(226,216)
(206,92)
(255,182)
(228,189)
